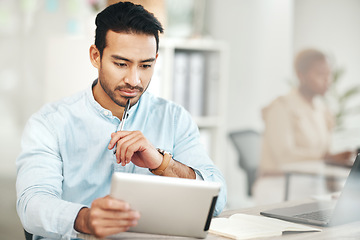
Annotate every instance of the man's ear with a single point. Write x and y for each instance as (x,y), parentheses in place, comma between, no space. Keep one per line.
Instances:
(95,56)
(156,57)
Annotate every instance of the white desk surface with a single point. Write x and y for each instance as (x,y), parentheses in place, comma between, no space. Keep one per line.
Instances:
(348,231)
(316,168)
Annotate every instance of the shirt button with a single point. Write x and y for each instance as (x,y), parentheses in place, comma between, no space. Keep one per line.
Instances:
(106,113)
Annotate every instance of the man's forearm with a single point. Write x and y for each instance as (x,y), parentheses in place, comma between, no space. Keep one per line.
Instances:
(177,169)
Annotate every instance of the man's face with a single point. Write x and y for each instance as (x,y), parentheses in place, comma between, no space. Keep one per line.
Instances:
(127,65)
(318,77)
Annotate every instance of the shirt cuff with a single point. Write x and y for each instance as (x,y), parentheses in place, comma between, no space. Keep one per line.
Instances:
(198,176)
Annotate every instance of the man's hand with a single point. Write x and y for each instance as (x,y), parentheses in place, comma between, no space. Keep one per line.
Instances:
(132,146)
(107,216)
(341,159)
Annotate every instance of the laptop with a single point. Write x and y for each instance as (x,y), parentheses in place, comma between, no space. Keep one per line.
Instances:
(327,213)
(167,206)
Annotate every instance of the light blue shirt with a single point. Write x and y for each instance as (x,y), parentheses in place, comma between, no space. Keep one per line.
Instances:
(65,163)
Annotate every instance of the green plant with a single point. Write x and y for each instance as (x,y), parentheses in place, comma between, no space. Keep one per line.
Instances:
(340,98)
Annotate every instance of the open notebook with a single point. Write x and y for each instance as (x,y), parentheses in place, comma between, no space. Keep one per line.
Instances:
(243,226)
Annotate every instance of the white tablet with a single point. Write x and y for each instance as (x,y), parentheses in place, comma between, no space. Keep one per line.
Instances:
(168,206)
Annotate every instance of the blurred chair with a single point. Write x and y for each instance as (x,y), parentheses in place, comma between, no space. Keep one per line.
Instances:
(247,144)
(28,236)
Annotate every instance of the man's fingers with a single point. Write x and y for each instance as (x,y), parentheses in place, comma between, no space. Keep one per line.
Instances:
(120,215)
(102,227)
(107,231)
(108,216)
(128,147)
(116,136)
(113,215)
(109,203)
(122,147)
(125,223)
(113,141)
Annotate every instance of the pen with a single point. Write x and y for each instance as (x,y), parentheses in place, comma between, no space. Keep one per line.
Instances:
(124,117)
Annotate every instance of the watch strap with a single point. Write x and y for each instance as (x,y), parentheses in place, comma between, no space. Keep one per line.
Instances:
(164,164)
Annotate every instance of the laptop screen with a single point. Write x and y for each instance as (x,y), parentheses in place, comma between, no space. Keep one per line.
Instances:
(347,208)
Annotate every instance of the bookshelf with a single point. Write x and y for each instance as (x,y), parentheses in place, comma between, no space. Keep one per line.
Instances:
(192,73)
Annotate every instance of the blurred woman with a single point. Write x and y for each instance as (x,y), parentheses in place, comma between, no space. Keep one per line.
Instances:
(298,126)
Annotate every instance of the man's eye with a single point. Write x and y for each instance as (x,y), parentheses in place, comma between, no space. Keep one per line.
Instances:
(120,64)
(146,66)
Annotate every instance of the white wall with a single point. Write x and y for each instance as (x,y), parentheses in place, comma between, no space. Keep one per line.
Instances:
(58,82)
(260,37)
(25,32)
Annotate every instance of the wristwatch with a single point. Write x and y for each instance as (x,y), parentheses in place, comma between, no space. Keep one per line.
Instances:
(164,164)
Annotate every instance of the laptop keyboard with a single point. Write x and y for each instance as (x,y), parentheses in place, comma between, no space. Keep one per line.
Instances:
(321,215)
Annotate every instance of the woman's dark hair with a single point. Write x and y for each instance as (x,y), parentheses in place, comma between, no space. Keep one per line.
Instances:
(125,17)
(306,58)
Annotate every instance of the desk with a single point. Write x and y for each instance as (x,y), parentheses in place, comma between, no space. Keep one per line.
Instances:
(348,231)
(317,169)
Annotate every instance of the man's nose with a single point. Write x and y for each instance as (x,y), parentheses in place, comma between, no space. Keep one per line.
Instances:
(133,77)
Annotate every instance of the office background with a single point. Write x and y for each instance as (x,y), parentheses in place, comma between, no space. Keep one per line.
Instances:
(261,36)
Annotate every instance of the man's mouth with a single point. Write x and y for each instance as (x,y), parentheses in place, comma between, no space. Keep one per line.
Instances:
(128,92)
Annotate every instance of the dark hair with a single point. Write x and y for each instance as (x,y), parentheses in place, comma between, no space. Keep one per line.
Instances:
(306,58)
(128,18)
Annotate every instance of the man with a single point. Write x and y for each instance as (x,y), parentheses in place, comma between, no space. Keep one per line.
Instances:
(298,127)
(67,159)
